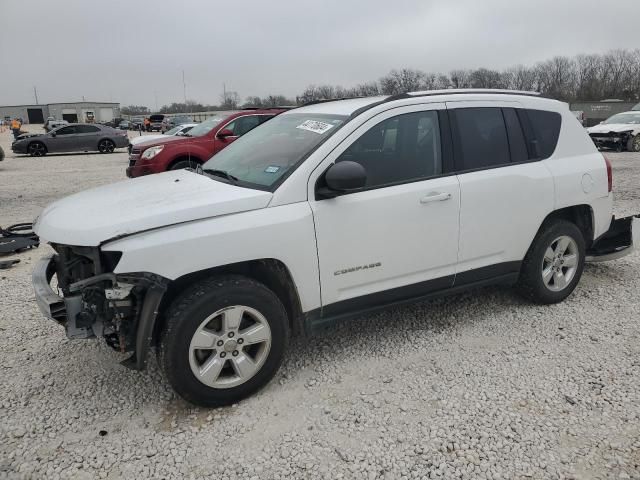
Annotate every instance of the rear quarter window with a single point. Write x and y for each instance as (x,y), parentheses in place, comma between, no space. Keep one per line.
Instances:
(546,130)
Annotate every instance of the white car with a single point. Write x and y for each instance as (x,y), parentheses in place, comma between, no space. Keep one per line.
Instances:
(325,212)
(619,132)
(178,130)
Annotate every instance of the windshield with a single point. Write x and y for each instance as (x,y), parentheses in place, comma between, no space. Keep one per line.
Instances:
(174,130)
(206,126)
(266,153)
(629,118)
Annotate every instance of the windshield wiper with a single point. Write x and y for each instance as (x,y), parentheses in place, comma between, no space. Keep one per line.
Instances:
(220,173)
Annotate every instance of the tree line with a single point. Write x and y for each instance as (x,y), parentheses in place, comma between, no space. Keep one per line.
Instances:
(585,77)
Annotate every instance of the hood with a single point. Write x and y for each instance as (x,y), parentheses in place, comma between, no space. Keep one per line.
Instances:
(146,138)
(94,216)
(164,139)
(30,135)
(613,127)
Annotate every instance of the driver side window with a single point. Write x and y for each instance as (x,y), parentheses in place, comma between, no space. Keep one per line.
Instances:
(400,149)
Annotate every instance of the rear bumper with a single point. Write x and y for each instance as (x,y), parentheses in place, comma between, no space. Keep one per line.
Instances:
(617,242)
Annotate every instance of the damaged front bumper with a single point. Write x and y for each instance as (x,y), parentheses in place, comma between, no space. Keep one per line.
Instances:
(617,242)
(611,140)
(122,308)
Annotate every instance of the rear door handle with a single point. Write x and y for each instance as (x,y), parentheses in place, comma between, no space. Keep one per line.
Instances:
(435,197)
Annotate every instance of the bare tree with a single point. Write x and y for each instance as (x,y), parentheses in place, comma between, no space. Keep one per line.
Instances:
(402,81)
(229,100)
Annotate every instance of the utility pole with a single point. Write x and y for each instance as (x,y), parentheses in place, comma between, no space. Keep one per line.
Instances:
(224,92)
(155,93)
(184,87)
(35,92)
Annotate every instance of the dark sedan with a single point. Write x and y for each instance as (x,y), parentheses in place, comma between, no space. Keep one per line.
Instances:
(76,137)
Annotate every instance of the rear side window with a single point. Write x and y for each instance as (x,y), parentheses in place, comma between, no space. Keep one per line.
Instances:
(86,129)
(480,137)
(546,130)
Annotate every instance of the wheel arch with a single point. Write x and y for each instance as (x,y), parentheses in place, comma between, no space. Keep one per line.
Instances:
(185,158)
(580,215)
(271,272)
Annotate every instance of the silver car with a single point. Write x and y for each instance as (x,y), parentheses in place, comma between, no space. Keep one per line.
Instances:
(76,137)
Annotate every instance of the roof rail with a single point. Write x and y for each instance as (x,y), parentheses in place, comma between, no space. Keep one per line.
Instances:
(325,100)
(450,91)
(277,107)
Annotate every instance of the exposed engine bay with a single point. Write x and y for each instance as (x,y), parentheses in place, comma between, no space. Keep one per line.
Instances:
(99,303)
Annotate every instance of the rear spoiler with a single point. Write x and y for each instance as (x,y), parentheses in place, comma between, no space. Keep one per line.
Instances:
(617,242)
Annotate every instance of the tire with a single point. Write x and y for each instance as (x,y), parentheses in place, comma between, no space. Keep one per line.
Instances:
(106,146)
(184,164)
(547,275)
(37,149)
(633,144)
(202,314)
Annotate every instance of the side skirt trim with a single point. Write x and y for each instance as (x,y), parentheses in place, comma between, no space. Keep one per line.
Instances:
(501,274)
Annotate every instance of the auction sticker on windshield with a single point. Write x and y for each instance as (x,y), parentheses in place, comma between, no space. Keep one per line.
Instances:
(315,126)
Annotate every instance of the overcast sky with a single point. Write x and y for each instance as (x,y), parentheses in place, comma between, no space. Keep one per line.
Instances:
(131,51)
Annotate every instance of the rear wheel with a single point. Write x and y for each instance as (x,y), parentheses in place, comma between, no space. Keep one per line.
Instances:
(224,339)
(106,146)
(553,266)
(37,149)
(633,144)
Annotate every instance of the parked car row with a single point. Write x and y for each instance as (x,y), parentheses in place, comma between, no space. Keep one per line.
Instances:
(196,146)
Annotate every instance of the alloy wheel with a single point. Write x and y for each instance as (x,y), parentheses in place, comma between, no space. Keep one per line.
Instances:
(230,346)
(106,146)
(560,263)
(36,149)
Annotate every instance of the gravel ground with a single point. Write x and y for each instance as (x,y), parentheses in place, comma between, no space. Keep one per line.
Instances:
(481,385)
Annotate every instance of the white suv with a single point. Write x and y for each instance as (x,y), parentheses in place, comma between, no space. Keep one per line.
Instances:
(328,211)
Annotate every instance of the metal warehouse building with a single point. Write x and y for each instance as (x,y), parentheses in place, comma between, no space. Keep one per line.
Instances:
(70,111)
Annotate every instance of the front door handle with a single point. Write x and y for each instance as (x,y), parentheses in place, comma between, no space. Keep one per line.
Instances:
(435,197)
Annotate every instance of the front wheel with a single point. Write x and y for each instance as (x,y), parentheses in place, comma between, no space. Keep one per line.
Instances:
(553,266)
(37,149)
(633,144)
(106,146)
(182,164)
(224,339)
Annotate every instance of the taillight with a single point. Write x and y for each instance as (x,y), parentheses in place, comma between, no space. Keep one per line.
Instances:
(609,173)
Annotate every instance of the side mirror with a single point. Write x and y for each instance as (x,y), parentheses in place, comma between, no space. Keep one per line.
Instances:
(225,133)
(343,177)
(53,134)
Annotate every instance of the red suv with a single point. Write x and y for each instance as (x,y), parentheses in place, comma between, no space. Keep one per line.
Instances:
(196,147)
